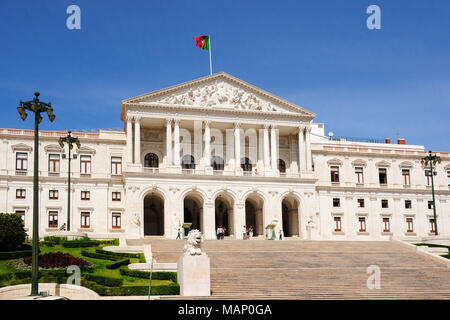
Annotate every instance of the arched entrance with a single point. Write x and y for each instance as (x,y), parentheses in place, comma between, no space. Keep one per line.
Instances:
(224,208)
(153,215)
(254,214)
(193,211)
(289,209)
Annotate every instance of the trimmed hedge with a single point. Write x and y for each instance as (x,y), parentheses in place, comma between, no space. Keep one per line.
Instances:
(158,275)
(47,243)
(118,264)
(172,289)
(99,256)
(15,254)
(42,273)
(80,243)
(104,281)
(118,254)
(6,276)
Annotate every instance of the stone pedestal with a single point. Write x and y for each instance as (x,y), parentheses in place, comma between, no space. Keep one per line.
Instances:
(194,275)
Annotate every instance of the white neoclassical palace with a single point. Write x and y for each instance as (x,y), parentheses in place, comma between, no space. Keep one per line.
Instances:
(218,151)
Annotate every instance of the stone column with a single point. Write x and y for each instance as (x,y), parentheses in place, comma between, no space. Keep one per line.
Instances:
(237,146)
(129,139)
(274,147)
(239,220)
(259,228)
(137,140)
(230,222)
(176,147)
(266,147)
(308,149)
(207,139)
(208,218)
(301,149)
(169,142)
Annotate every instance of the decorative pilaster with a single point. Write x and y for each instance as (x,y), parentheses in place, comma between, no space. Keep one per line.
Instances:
(301,148)
(176,138)
(266,147)
(274,147)
(308,149)
(129,139)
(207,139)
(237,146)
(137,140)
(169,150)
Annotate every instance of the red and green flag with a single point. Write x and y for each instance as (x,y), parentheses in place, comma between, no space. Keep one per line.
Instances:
(202,42)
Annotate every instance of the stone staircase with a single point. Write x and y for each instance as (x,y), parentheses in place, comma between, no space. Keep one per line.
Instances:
(242,269)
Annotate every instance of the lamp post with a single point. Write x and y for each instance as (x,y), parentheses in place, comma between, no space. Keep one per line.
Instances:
(431,160)
(37,107)
(70,141)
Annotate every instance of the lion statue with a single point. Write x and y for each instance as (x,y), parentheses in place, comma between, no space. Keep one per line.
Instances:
(194,240)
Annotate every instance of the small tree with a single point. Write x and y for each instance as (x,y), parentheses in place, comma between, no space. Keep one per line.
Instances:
(12,232)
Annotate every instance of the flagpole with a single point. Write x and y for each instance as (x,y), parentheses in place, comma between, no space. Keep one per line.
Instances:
(210,61)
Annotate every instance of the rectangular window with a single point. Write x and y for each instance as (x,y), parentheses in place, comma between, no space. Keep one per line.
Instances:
(116,196)
(53,163)
(85,220)
(21,161)
(408,204)
(409,225)
(336,202)
(382,173)
(116,220)
(337,224)
(334,174)
(85,164)
(384,203)
(53,219)
(430,204)
(386,225)
(360,203)
(116,166)
(448,178)
(431,225)
(85,195)
(20,193)
(359,175)
(406,177)
(21,214)
(53,194)
(428,177)
(362,224)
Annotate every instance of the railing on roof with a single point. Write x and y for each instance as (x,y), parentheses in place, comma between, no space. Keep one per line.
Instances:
(356,139)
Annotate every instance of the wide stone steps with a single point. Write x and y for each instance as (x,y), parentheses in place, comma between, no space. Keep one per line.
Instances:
(242,269)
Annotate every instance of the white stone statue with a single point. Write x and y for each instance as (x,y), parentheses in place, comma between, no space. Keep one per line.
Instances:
(135,219)
(194,241)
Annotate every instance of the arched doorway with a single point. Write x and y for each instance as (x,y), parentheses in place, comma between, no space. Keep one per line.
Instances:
(224,213)
(193,211)
(289,209)
(153,215)
(254,214)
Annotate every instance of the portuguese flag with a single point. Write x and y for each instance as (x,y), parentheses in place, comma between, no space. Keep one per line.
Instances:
(202,42)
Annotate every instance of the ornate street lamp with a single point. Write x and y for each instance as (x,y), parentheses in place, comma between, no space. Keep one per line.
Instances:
(70,141)
(431,160)
(37,107)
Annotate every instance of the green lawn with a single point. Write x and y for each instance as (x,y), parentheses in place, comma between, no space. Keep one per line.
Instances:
(100,268)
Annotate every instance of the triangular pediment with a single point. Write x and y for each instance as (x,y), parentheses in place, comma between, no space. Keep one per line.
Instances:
(220,92)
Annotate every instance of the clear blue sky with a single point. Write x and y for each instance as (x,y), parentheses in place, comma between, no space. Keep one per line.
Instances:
(318,54)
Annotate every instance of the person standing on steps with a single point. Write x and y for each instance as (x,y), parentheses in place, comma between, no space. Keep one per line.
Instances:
(244,232)
(281,234)
(178,234)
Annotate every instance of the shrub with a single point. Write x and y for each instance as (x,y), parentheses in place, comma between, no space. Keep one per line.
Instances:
(99,256)
(118,254)
(57,260)
(79,243)
(12,232)
(15,254)
(57,240)
(47,243)
(171,289)
(118,264)
(105,281)
(158,275)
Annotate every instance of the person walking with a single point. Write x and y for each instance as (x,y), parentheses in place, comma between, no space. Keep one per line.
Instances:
(63,227)
(251,232)
(281,234)
(244,232)
(223,232)
(178,234)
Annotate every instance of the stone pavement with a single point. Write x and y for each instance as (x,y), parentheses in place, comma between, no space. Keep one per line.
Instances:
(243,269)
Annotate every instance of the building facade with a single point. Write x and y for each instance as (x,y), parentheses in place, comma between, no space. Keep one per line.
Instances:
(218,151)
